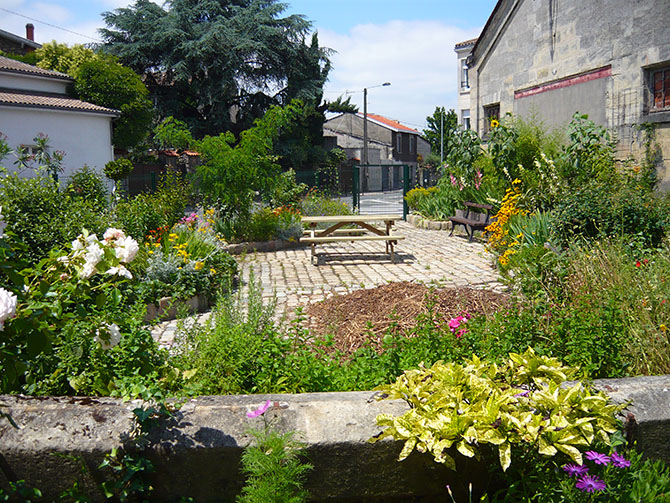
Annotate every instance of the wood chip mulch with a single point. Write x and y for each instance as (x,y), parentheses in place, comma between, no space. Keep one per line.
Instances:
(365,315)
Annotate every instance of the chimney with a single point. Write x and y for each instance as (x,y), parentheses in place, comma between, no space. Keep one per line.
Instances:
(30,32)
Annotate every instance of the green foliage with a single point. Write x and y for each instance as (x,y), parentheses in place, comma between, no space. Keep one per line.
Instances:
(146,212)
(118,169)
(442,125)
(599,210)
(61,58)
(340,105)
(286,191)
(589,154)
(479,407)
(86,184)
(44,217)
(231,175)
(462,155)
(316,203)
(274,471)
(415,197)
(173,134)
(109,84)
(218,55)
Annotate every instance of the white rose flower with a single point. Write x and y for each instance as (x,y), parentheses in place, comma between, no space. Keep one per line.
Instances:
(111,335)
(94,253)
(112,234)
(7,306)
(126,249)
(121,271)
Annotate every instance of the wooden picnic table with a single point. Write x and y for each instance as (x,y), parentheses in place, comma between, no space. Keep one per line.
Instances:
(365,231)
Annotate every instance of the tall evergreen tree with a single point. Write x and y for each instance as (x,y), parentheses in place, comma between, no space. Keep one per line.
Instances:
(218,64)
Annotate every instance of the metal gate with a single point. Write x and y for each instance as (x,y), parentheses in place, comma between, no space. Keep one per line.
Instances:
(380,189)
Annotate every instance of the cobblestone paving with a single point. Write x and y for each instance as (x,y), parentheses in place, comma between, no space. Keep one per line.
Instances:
(424,256)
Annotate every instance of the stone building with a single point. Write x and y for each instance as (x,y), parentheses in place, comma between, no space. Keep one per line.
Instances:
(609,59)
(14,44)
(463,51)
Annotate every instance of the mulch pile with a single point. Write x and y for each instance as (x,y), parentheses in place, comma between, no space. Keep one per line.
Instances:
(365,315)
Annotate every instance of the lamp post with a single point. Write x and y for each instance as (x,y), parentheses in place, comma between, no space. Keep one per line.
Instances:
(365,120)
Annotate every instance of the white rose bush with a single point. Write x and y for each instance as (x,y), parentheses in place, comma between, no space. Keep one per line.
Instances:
(66,323)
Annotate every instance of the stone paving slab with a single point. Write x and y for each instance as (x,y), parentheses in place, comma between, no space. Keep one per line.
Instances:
(430,257)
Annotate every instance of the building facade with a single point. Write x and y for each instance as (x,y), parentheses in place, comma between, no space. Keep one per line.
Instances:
(33,101)
(609,59)
(463,51)
(14,44)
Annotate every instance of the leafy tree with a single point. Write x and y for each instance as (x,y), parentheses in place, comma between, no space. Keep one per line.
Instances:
(341,105)
(217,64)
(112,85)
(173,133)
(432,132)
(233,174)
(100,79)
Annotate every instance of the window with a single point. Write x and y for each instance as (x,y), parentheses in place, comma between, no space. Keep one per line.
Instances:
(491,113)
(660,89)
(398,142)
(465,83)
(465,118)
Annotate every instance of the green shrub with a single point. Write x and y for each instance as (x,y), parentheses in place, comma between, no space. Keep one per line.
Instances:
(603,210)
(317,204)
(87,184)
(119,169)
(43,217)
(415,197)
(262,226)
(146,212)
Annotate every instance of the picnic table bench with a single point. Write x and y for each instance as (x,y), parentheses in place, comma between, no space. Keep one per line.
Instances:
(471,218)
(365,232)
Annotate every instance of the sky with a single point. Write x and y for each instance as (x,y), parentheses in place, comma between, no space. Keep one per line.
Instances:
(409,44)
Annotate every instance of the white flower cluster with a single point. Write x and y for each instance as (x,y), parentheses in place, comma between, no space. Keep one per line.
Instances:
(124,248)
(7,306)
(111,336)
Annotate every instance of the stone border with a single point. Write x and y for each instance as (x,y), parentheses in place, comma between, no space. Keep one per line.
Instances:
(197,452)
(425,223)
(167,308)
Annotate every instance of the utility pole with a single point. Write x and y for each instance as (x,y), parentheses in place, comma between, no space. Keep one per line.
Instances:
(442,136)
(365,120)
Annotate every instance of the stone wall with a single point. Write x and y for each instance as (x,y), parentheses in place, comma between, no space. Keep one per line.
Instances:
(197,452)
(537,43)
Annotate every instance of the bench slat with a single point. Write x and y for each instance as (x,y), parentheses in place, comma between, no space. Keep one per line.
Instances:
(335,239)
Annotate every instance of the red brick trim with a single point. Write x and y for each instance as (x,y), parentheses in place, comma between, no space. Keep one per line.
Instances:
(598,73)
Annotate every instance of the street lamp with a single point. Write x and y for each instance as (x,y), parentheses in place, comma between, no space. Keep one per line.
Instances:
(365,120)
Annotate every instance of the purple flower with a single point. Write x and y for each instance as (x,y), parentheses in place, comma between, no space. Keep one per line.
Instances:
(590,484)
(260,410)
(597,457)
(575,470)
(526,393)
(619,461)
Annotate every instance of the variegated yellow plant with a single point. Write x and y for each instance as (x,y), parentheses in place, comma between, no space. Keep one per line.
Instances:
(521,402)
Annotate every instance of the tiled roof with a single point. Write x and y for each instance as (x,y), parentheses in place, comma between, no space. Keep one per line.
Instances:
(51,101)
(13,66)
(395,125)
(466,43)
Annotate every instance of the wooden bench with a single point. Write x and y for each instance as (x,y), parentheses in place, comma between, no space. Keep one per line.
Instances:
(472,219)
(365,231)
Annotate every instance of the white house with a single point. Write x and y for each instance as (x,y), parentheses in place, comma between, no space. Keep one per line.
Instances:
(34,100)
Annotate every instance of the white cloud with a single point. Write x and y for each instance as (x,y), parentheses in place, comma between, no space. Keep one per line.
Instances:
(417,57)
(54,13)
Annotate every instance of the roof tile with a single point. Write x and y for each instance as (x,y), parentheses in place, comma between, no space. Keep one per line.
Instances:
(13,97)
(14,66)
(390,123)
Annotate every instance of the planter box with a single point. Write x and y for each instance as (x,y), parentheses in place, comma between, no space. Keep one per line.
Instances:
(167,308)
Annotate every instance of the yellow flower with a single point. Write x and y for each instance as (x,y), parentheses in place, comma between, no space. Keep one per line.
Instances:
(151,252)
(663,327)
(199,265)
(157,245)
(212,270)
(494,123)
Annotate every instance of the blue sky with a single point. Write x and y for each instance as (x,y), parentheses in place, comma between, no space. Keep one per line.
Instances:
(409,44)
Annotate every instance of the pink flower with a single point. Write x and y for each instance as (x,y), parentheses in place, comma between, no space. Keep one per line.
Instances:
(597,457)
(619,461)
(590,484)
(454,323)
(453,179)
(260,410)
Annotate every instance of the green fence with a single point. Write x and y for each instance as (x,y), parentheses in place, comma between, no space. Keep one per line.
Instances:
(381,188)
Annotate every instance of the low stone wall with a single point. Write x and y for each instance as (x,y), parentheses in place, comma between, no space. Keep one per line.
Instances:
(425,223)
(197,452)
(262,246)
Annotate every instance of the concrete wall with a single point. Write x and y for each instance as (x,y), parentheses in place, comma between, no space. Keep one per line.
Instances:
(84,137)
(463,101)
(33,83)
(197,452)
(531,43)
